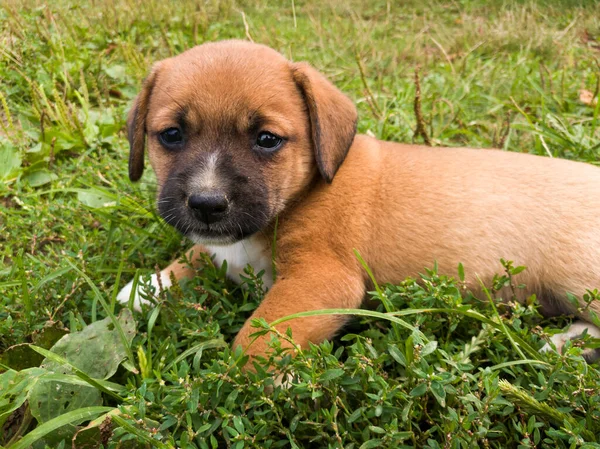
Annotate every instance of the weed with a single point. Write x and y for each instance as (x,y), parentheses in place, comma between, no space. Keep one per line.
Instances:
(431,367)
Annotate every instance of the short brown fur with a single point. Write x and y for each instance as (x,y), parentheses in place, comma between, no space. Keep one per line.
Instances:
(402,207)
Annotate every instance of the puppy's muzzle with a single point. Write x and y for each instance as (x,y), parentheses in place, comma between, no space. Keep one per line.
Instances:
(209,207)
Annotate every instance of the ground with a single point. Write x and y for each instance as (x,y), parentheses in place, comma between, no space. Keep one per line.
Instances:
(433,367)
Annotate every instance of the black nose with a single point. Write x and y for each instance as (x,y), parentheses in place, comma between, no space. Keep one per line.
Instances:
(209,207)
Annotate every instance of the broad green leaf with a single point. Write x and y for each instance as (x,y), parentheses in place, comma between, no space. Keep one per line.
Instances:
(96,350)
(331,374)
(39,177)
(419,390)
(517,270)
(50,398)
(429,348)
(116,71)
(397,355)
(79,375)
(439,392)
(371,444)
(14,389)
(355,415)
(96,198)
(10,161)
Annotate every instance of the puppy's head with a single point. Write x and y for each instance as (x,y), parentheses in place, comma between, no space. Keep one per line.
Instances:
(234,133)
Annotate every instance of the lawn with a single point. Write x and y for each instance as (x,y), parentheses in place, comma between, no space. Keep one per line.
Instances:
(433,367)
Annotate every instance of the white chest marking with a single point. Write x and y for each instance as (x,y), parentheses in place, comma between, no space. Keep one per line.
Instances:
(250,251)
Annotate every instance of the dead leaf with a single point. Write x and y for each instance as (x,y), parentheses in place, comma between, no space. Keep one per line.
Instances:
(52,330)
(97,349)
(587,97)
(20,357)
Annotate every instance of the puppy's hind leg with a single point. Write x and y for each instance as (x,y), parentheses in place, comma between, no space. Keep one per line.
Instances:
(178,269)
(555,303)
(571,266)
(577,330)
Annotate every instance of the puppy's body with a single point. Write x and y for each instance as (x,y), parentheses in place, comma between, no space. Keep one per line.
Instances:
(402,207)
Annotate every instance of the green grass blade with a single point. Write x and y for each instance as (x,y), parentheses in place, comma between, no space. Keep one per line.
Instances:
(520,362)
(380,294)
(392,316)
(503,327)
(478,316)
(369,273)
(137,432)
(151,322)
(54,275)
(210,344)
(56,423)
(357,312)
(76,380)
(521,398)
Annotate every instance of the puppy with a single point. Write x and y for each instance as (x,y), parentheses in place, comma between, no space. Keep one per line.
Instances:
(243,140)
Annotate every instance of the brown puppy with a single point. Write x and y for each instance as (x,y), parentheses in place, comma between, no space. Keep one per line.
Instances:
(239,136)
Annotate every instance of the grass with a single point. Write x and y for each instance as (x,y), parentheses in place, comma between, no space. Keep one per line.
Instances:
(434,367)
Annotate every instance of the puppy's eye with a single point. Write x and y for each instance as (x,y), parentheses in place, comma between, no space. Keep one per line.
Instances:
(171,137)
(268,141)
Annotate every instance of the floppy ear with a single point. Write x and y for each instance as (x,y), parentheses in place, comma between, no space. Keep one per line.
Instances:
(136,127)
(332,118)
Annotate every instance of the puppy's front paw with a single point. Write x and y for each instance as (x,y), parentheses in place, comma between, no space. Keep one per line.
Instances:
(283,380)
(125,293)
